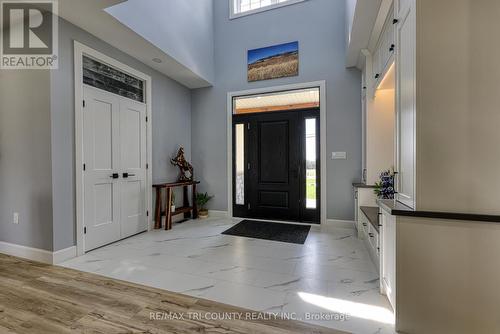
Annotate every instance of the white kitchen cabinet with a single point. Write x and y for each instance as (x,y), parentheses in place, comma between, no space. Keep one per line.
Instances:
(388,256)
(363,197)
(383,55)
(406,101)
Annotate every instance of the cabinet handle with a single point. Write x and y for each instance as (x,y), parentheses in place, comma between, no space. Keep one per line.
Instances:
(379,225)
(364,224)
(371,235)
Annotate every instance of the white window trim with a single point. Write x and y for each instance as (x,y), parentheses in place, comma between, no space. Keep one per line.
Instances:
(233,15)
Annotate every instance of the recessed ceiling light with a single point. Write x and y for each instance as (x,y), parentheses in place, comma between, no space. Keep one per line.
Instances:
(157,60)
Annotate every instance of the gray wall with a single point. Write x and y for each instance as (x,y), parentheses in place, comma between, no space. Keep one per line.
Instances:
(182,29)
(319,26)
(25,158)
(171,123)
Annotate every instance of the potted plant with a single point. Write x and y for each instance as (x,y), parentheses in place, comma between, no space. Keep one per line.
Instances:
(172,203)
(384,189)
(201,201)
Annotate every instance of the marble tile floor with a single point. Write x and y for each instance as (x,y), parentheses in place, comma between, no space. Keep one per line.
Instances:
(329,281)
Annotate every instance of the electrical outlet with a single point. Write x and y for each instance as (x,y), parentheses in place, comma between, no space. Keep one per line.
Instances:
(16,218)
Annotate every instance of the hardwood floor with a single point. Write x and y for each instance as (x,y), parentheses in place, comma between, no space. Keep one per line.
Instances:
(39,298)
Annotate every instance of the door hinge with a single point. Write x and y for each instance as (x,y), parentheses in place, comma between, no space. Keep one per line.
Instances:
(248,166)
(146,119)
(248,206)
(85,230)
(84,103)
(147,166)
(248,126)
(84,167)
(147,213)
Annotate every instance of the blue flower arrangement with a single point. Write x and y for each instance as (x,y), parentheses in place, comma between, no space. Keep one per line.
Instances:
(385,188)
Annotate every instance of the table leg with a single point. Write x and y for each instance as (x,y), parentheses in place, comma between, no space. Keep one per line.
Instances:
(168,209)
(185,201)
(158,209)
(195,206)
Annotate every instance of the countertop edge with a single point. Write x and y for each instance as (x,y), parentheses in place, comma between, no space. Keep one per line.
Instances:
(371,213)
(399,209)
(362,185)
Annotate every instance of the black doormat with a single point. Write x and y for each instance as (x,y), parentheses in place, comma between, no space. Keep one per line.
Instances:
(296,234)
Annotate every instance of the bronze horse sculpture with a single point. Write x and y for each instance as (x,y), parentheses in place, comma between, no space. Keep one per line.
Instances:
(186,170)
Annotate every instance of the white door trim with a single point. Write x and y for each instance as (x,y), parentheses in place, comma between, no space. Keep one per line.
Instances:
(322,98)
(80,50)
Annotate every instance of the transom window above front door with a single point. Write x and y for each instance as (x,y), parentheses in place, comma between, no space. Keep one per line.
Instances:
(298,99)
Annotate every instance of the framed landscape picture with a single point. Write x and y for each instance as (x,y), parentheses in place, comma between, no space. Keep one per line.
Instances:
(273,62)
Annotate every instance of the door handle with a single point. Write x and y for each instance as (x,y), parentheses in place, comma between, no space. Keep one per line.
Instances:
(114,176)
(296,172)
(126,175)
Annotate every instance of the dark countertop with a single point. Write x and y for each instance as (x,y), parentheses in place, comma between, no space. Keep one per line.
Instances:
(371,212)
(362,185)
(398,209)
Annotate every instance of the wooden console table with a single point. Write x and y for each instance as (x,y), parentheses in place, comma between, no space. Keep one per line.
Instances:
(186,209)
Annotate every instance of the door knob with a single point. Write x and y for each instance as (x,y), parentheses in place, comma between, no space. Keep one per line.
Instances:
(115,176)
(126,175)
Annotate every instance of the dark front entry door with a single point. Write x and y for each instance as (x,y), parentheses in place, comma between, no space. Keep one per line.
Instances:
(274,166)
(274,178)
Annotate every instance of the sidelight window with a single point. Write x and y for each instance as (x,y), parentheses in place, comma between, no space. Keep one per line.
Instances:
(240,163)
(311,168)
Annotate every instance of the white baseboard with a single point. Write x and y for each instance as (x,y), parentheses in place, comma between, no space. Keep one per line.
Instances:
(36,254)
(63,255)
(341,223)
(24,252)
(217,213)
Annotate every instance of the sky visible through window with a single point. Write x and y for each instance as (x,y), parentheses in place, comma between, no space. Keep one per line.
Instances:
(241,6)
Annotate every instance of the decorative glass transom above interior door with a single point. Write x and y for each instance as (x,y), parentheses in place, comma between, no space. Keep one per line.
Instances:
(110,79)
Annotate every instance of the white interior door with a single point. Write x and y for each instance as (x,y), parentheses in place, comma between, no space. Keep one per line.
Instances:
(133,166)
(114,153)
(101,156)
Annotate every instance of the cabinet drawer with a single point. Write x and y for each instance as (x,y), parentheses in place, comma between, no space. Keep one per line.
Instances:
(364,224)
(374,239)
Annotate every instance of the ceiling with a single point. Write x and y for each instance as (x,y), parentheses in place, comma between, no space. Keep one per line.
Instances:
(90,16)
(367,23)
